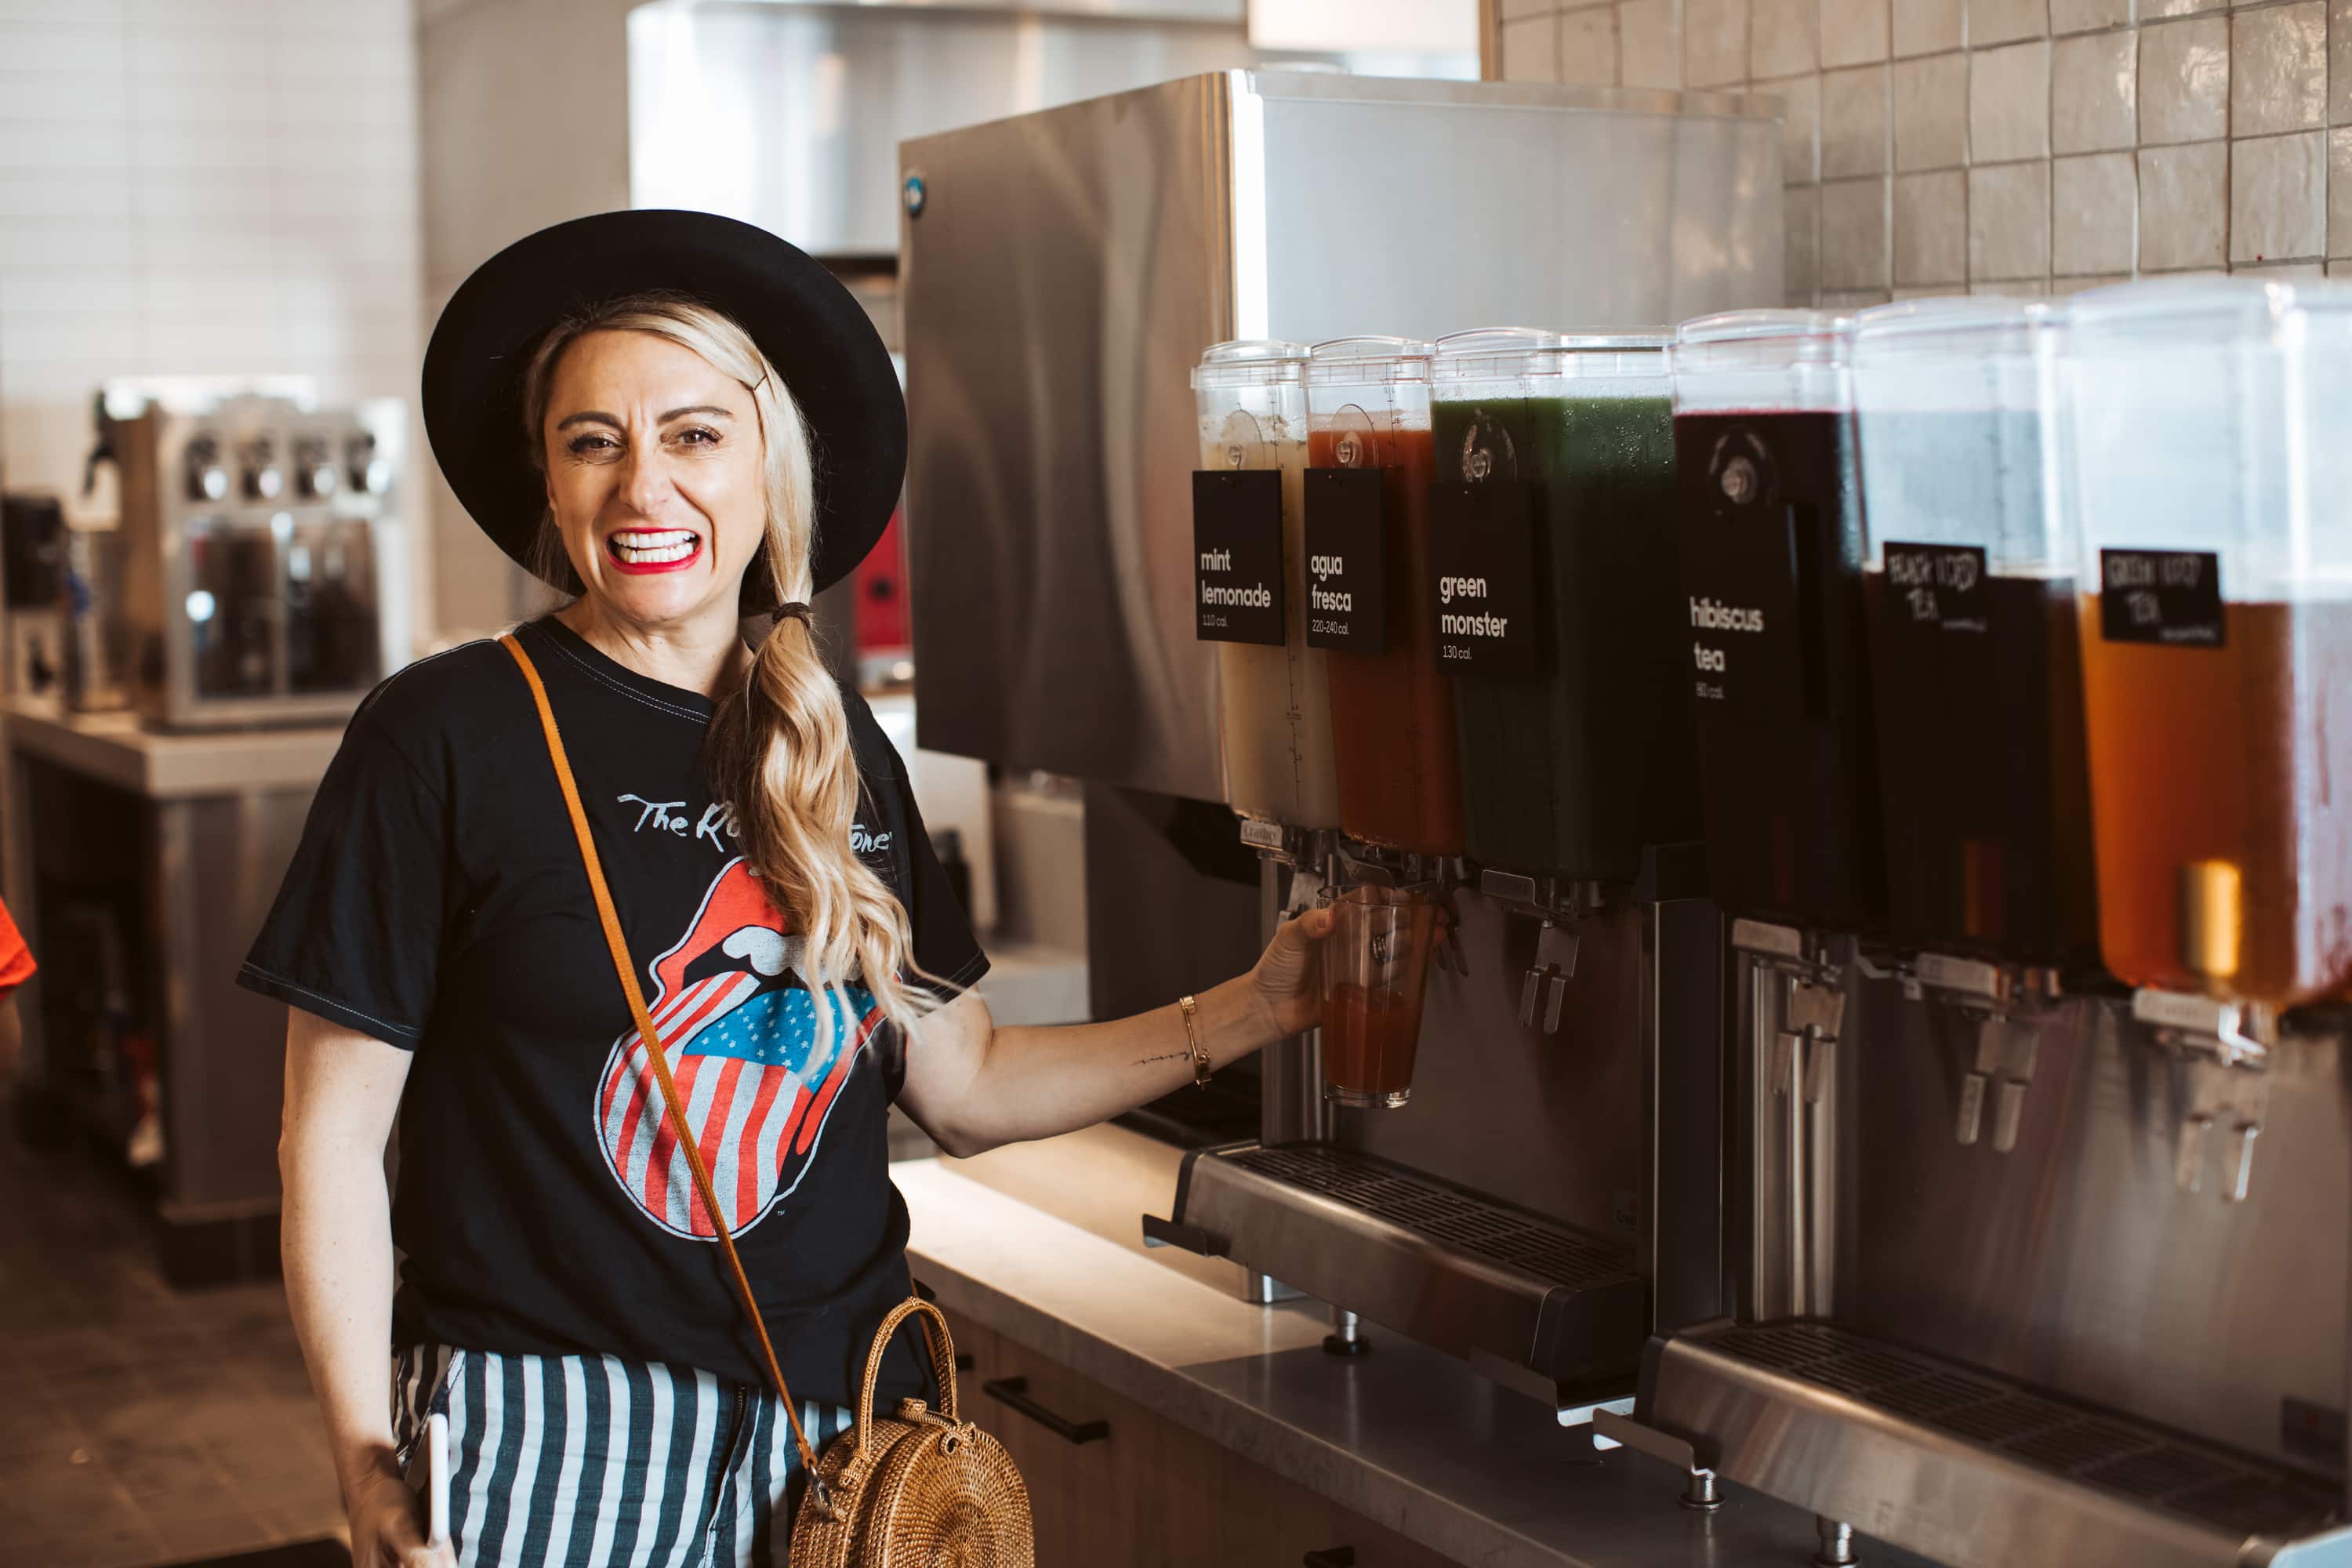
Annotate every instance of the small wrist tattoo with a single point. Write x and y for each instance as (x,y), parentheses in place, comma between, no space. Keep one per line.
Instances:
(1169,1057)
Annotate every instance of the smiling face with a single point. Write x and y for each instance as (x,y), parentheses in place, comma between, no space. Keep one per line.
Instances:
(655,477)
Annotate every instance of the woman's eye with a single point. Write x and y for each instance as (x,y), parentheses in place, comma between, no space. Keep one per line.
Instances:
(583,445)
(696,435)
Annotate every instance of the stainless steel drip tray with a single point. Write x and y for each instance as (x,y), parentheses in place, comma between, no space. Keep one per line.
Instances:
(1967,1467)
(1455,1269)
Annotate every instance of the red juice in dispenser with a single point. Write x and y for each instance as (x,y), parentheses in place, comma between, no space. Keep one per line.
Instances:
(1367,511)
(1770,536)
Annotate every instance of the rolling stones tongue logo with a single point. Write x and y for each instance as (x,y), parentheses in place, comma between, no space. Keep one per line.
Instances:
(733,1011)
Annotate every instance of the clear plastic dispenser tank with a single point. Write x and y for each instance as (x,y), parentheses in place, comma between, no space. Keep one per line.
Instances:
(1368,565)
(1975,659)
(1771,552)
(1557,449)
(1275,707)
(2204,429)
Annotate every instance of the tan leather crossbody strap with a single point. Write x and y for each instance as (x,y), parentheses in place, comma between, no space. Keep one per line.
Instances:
(678,1119)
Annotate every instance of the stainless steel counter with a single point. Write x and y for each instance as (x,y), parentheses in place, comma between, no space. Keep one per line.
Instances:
(169,865)
(115,749)
(1407,1438)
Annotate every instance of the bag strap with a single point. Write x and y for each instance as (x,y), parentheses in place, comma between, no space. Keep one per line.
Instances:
(686,1141)
(943,1367)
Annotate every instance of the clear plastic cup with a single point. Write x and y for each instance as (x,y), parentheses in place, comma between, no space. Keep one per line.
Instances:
(1375,968)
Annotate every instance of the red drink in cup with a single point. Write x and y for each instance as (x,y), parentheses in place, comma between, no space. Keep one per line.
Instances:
(1375,964)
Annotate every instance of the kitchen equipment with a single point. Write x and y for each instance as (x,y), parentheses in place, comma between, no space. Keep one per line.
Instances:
(1771,550)
(266,550)
(2012,1287)
(1554,532)
(1976,670)
(1367,546)
(33,537)
(1274,704)
(2217,627)
(1064,271)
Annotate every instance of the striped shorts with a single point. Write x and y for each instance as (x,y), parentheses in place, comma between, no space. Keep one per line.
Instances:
(596,1462)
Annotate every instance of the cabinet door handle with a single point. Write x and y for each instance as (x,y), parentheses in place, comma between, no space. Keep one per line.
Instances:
(1013,1393)
(1331,1557)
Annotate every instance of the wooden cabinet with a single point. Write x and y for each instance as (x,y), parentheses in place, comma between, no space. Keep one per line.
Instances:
(1112,1482)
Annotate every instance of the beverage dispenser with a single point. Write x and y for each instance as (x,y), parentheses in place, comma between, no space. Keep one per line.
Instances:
(1249,537)
(1975,656)
(1771,554)
(1551,526)
(1556,484)
(2216,614)
(1367,530)
(2093,1336)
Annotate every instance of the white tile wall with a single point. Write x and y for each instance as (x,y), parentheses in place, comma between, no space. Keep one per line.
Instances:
(2047,144)
(203,186)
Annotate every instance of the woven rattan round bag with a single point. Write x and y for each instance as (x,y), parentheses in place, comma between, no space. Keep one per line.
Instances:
(924,1489)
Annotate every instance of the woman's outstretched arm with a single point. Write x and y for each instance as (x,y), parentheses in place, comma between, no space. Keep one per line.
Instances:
(972,1086)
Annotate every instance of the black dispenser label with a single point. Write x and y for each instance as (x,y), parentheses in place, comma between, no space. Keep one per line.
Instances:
(2171,597)
(1237,555)
(1940,587)
(1481,554)
(1346,560)
(1740,609)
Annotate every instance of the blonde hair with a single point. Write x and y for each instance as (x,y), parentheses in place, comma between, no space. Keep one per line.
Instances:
(778,751)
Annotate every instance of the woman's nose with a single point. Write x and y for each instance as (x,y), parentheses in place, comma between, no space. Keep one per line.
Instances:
(645,479)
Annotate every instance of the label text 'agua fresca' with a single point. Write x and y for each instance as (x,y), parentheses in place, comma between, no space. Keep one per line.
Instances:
(1318,597)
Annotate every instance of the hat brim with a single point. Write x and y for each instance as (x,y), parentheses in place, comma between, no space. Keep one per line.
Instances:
(812,328)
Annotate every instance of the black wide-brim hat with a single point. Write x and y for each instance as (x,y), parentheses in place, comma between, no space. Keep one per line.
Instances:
(810,327)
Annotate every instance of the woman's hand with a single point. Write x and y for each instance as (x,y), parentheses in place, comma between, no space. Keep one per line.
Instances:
(388,1524)
(1287,978)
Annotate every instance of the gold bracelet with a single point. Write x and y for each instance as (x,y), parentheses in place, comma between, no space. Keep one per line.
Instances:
(1192,1035)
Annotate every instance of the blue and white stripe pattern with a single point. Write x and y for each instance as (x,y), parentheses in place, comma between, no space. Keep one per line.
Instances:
(597,1462)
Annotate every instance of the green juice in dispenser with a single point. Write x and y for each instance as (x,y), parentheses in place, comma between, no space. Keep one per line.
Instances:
(1573,765)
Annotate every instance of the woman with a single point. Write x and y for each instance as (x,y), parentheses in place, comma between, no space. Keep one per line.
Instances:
(693,426)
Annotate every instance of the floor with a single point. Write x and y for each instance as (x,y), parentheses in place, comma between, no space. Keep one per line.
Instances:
(139,1426)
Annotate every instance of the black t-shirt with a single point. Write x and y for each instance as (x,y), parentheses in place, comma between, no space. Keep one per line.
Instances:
(438,902)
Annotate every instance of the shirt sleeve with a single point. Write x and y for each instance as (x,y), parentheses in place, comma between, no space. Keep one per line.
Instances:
(355,934)
(16,965)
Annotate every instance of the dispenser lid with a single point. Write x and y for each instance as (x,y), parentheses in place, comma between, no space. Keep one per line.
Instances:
(2171,312)
(1632,340)
(1250,361)
(1762,361)
(1349,361)
(1489,342)
(1762,340)
(1978,324)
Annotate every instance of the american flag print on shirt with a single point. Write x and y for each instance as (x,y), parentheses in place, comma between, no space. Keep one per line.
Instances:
(732,1009)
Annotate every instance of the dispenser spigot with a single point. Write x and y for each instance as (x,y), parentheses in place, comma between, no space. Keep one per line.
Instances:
(1548,977)
(1553,904)
(2003,1004)
(1812,998)
(2223,1047)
